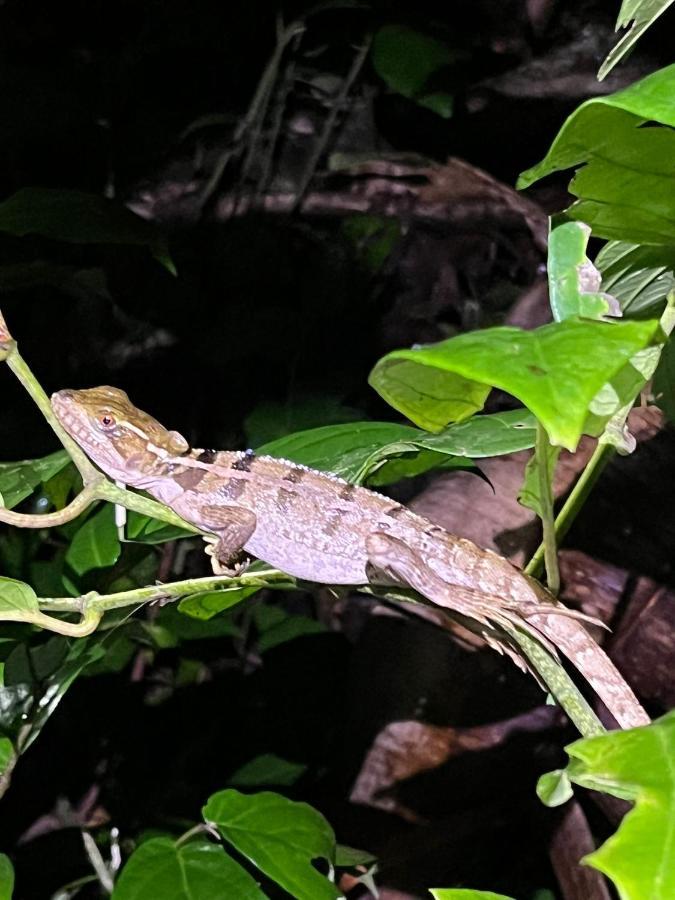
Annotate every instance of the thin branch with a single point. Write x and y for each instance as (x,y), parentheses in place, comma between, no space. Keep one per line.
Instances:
(285,37)
(329,124)
(577,498)
(175,590)
(97,862)
(544,476)
(19,367)
(559,683)
(87,624)
(48,520)
(255,110)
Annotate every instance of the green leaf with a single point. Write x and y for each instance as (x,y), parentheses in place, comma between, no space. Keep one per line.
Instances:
(26,663)
(279,836)
(192,628)
(342,449)
(555,370)
(96,544)
(639,277)
(554,788)
(478,437)
(194,871)
(465,894)
(6,878)
(58,488)
(119,651)
(625,187)
(267,769)
(15,595)
(207,605)
(374,238)
(385,452)
(39,683)
(595,125)
(406,60)
(485,436)
(573,280)
(79,218)
(635,765)
(398,461)
(663,385)
(273,419)
(350,857)
(18,480)
(146,530)
(7,755)
(290,628)
(639,14)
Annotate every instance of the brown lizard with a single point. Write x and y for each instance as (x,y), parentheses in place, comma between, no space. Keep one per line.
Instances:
(318,527)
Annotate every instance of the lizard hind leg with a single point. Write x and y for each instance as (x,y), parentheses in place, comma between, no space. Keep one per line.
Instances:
(391,561)
(541,619)
(394,561)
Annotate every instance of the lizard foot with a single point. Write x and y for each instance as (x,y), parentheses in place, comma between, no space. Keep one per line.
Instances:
(218,565)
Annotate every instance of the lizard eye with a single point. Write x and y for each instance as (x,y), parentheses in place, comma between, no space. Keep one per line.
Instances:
(106,421)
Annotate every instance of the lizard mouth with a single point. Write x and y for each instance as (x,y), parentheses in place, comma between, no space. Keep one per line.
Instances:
(61,401)
(67,414)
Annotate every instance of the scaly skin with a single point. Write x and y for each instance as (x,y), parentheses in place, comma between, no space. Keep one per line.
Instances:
(320,528)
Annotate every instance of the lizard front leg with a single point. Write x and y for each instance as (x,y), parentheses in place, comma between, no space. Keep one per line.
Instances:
(232,526)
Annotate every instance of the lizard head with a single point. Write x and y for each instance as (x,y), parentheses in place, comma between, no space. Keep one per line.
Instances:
(127,443)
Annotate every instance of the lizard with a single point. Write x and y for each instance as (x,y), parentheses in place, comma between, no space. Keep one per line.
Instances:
(318,527)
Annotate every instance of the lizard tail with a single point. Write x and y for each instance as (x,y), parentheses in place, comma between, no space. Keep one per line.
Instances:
(570,636)
(540,615)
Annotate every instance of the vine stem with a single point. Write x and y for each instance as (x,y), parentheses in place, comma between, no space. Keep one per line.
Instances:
(544,476)
(20,368)
(585,483)
(559,683)
(269,578)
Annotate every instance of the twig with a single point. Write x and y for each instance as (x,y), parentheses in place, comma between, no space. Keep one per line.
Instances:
(97,862)
(258,104)
(578,496)
(329,124)
(545,478)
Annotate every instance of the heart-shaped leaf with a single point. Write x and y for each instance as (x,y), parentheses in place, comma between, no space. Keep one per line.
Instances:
(17,596)
(625,187)
(279,836)
(195,871)
(555,370)
(384,452)
(635,765)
